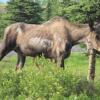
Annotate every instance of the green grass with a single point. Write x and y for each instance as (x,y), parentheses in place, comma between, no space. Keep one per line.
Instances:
(76,63)
(41,79)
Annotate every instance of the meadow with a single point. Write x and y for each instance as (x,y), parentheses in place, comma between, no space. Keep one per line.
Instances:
(41,79)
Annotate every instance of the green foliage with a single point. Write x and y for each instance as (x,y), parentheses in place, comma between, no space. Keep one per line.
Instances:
(74,10)
(4,21)
(82,9)
(3,24)
(43,80)
(55,8)
(40,84)
(24,11)
(51,9)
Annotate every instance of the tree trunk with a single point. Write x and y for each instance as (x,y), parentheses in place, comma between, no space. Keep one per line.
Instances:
(92,61)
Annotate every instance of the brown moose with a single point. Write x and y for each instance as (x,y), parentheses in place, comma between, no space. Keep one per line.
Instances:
(54,39)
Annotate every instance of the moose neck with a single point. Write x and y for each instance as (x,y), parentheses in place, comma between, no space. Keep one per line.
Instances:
(79,33)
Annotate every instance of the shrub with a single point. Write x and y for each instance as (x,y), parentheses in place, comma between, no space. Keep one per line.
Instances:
(46,81)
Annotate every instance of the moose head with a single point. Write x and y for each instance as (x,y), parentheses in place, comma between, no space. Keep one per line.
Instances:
(95,34)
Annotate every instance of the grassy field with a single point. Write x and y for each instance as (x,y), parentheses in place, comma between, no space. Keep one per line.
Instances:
(41,79)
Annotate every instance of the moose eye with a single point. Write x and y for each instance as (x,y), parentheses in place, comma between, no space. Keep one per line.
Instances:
(98,37)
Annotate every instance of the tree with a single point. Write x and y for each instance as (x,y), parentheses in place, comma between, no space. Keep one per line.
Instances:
(49,10)
(56,7)
(3,18)
(27,11)
(81,10)
(3,22)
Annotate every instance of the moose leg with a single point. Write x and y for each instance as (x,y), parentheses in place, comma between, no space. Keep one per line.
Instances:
(3,50)
(5,47)
(92,61)
(20,61)
(60,61)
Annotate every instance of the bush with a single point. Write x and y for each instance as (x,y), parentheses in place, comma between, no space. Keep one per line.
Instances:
(45,83)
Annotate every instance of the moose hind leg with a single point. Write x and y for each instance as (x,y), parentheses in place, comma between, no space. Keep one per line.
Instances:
(20,61)
(3,50)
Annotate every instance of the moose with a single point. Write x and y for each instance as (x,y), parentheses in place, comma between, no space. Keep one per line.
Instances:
(53,39)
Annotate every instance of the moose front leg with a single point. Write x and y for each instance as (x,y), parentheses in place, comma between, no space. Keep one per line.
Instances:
(92,61)
(60,61)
